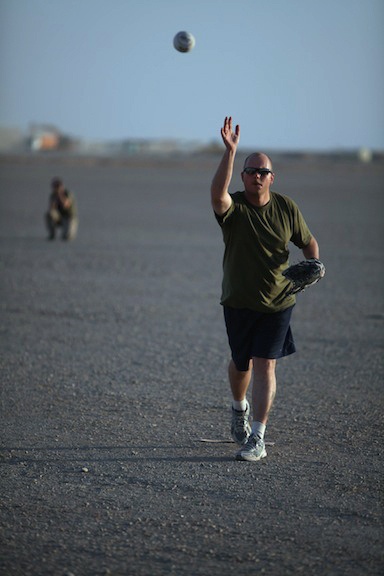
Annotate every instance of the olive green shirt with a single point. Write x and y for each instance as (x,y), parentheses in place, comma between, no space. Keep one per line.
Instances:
(256,252)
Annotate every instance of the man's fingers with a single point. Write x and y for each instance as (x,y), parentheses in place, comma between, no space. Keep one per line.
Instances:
(226,131)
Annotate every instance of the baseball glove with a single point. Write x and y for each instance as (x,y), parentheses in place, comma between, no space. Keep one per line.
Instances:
(304,274)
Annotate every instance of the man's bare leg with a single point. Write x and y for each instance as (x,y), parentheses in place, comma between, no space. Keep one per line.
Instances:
(263,395)
(239,380)
(263,389)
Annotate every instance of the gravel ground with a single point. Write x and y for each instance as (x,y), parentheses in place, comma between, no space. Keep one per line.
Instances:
(114,364)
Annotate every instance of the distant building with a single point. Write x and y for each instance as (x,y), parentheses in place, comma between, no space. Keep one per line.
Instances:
(45,138)
(45,141)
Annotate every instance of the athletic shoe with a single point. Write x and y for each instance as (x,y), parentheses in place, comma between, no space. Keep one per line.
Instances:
(240,427)
(253,450)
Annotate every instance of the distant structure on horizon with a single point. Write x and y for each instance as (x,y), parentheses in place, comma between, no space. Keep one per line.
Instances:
(45,138)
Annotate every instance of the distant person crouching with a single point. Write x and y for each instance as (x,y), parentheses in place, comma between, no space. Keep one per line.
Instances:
(62,212)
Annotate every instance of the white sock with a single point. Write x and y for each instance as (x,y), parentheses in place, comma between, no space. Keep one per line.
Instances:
(258,428)
(240,405)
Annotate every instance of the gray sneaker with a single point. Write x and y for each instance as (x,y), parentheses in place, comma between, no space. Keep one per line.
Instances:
(240,427)
(253,450)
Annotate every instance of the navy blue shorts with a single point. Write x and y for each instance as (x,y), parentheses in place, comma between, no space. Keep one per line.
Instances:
(256,334)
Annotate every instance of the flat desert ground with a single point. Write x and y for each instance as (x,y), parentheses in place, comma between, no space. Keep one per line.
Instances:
(113,368)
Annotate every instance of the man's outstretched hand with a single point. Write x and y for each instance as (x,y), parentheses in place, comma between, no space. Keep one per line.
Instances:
(230,138)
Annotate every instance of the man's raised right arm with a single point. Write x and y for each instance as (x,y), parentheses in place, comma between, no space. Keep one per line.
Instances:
(220,197)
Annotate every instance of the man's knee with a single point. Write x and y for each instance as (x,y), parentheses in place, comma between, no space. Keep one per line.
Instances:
(265,365)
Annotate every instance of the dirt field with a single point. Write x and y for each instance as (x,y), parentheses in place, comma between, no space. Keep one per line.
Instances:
(113,363)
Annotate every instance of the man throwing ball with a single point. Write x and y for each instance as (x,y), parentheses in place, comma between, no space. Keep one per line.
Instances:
(257,226)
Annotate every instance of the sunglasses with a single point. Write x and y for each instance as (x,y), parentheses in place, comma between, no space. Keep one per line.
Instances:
(261,171)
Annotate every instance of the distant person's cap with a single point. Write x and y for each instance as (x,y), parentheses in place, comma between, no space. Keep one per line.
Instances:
(56,182)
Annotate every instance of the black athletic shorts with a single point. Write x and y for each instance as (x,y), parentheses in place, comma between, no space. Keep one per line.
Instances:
(256,334)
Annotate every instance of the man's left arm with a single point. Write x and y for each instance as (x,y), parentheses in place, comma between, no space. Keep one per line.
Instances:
(311,250)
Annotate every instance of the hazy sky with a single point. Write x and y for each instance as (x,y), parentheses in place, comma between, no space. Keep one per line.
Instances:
(293,73)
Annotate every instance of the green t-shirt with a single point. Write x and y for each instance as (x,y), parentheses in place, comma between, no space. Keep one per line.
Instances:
(256,252)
